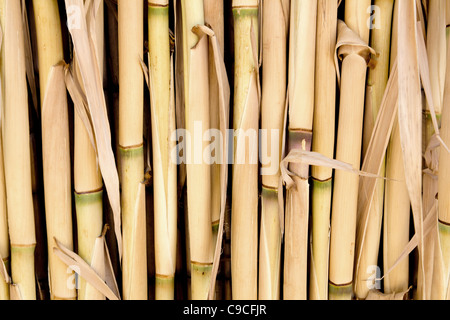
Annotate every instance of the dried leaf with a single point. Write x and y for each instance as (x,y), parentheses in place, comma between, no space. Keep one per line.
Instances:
(377,295)
(410,114)
(92,80)
(71,259)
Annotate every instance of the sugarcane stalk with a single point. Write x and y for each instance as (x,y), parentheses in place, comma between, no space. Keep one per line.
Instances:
(17,160)
(244,207)
(57,172)
(164,171)
(214,17)
(436,51)
(301,112)
(443,255)
(397,208)
(131,146)
(275,31)
(376,85)
(4,237)
(323,143)
(198,171)
(88,180)
(348,150)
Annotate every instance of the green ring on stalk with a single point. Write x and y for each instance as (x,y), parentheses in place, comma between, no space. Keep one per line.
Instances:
(164,280)
(157,9)
(444,228)
(215,226)
(201,267)
(131,151)
(340,290)
(326,184)
(88,197)
(269,192)
(243,12)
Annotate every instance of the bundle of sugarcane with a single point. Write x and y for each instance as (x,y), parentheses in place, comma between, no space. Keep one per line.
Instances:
(323,142)
(301,112)
(274,32)
(131,148)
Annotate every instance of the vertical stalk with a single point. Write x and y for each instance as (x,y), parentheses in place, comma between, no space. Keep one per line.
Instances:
(197,121)
(4,238)
(88,182)
(244,207)
(214,16)
(323,143)
(443,255)
(57,173)
(275,31)
(131,147)
(348,150)
(16,148)
(376,85)
(397,208)
(303,25)
(436,51)
(164,170)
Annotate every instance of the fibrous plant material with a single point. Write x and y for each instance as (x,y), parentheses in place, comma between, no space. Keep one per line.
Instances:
(198,167)
(355,55)
(323,142)
(376,86)
(164,170)
(88,182)
(214,17)
(4,237)
(16,151)
(55,146)
(275,33)
(397,208)
(131,147)
(436,54)
(244,207)
(301,83)
(443,254)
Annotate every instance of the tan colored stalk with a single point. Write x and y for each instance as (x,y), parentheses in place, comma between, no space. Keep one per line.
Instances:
(55,149)
(436,51)
(376,85)
(323,143)
(214,16)
(397,208)
(131,147)
(16,151)
(301,110)
(164,170)
(244,207)
(197,121)
(88,182)
(442,257)
(4,238)
(275,32)
(348,150)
